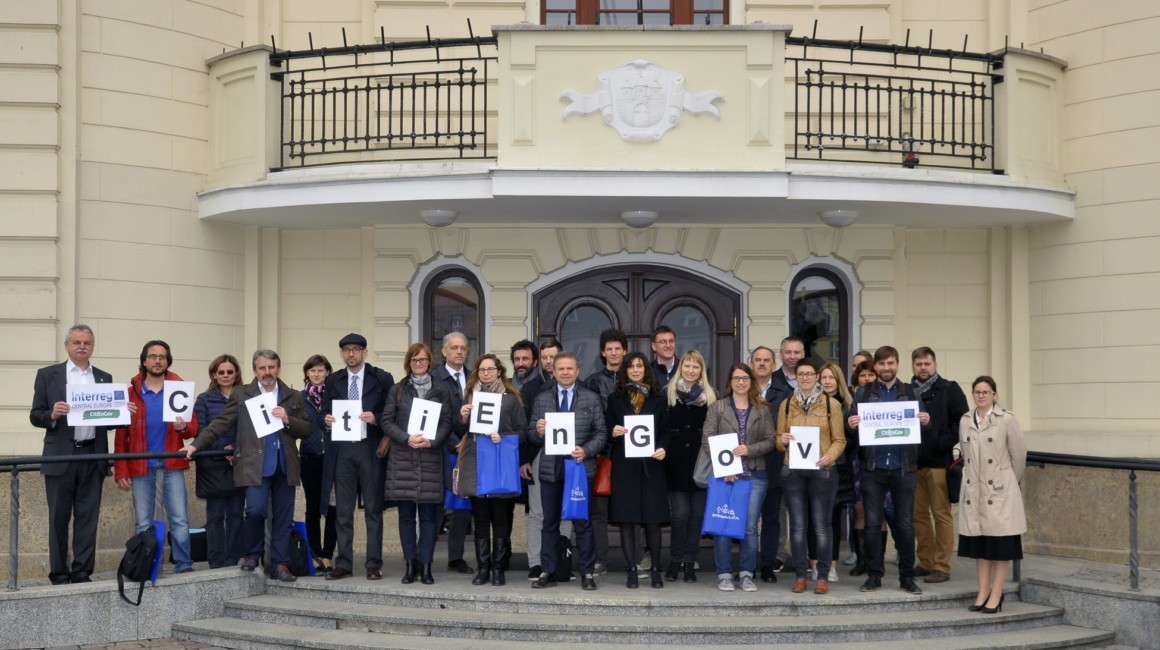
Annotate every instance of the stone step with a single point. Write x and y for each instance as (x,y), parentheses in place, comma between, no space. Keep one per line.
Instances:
(612,599)
(254,635)
(580,627)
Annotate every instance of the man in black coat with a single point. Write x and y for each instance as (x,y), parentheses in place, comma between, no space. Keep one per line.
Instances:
(946,404)
(453,376)
(73,489)
(353,467)
(780,385)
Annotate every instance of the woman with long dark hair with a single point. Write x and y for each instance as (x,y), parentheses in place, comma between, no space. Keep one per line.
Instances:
(310,454)
(223,508)
(639,490)
(492,515)
(415,464)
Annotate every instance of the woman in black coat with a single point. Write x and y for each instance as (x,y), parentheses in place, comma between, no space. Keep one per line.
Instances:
(492,514)
(688,396)
(415,464)
(639,491)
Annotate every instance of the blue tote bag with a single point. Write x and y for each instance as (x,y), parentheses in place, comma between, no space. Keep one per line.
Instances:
(726,508)
(497,466)
(452,502)
(575,504)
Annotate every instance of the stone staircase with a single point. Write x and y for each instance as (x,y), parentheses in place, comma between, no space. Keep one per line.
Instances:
(356,614)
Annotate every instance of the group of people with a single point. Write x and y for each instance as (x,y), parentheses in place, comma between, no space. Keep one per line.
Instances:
(904,486)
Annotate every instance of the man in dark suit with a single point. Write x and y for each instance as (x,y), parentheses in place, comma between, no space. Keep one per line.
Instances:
(664,347)
(591,436)
(353,467)
(530,457)
(73,489)
(453,375)
(267,467)
(775,387)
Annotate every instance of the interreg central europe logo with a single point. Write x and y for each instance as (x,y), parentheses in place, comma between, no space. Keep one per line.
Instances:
(578,494)
(725,512)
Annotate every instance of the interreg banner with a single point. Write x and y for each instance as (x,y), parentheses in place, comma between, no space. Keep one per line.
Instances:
(888,423)
(97,405)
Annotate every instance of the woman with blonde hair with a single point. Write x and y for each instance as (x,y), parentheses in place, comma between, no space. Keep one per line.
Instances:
(688,395)
(492,515)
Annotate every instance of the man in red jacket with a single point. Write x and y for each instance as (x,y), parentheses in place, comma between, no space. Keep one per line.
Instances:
(148,433)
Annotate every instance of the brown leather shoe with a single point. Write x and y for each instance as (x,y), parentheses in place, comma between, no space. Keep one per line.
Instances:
(921,571)
(799,586)
(374,574)
(822,587)
(936,576)
(337,573)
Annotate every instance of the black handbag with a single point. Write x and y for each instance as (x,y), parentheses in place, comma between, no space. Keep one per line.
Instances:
(215,478)
(955,479)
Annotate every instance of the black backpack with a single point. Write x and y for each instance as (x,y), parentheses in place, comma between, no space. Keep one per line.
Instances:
(299,564)
(563,559)
(137,563)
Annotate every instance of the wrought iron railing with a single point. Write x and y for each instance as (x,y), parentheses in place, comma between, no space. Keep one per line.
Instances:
(414,100)
(895,104)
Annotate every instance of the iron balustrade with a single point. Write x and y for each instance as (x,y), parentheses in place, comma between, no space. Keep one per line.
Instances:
(1040,459)
(417,100)
(891,104)
(19,464)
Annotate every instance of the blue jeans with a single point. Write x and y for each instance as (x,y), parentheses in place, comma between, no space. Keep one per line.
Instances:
(723,546)
(809,494)
(176,507)
(223,530)
(427,534)
(900,485)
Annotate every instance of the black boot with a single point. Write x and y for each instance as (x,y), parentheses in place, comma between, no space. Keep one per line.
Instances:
(657,581)
(672,572)
(410,572)
(426,577)
(483,559)
(689,571)
(503,555)
(633,581)
(859,545)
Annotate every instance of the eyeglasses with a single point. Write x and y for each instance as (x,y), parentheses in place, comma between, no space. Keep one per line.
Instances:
(420,360)
(983,393)
(806,375)
(488,370)
(225,373)
(352,350)
(155,357)
(739,380)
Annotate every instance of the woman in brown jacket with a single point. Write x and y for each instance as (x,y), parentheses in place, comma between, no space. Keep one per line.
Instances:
(742,410)
(809,493)
(991,518)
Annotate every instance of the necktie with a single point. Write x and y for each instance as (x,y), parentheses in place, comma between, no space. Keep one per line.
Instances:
(352,392)
(459,380)
(564,401)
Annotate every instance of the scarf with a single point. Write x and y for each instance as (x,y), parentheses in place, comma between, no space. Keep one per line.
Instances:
(422,384)
(692,395)
(637,394)
(494,387)
(314,394)
(807,400)
(921,388)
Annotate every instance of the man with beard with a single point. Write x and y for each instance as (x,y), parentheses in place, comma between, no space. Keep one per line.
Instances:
(946,404)
(887,468)
(525,363)
(149,433)
(531,457)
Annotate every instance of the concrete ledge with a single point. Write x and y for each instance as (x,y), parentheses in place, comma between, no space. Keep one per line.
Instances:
(91,613)
(1134,616)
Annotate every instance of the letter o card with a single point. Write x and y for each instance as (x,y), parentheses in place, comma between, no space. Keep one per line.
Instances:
(485,412)
(641,439)
(178,398)
(424,420)
(721,448)
(347,426)
(559,434)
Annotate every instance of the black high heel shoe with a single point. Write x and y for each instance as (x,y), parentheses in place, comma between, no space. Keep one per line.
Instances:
(996,608)
(978,606)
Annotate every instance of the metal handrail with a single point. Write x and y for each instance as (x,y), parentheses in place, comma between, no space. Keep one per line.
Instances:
(16,465)
(1042,458)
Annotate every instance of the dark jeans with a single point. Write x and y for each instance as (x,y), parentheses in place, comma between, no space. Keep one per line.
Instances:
(598,517)
(428,530)
(900,485)
(809,494)
(552,498)
(321,541)
(281,495)
(223,530)
(836,522)
(493,517)
(771,511)
(687,510)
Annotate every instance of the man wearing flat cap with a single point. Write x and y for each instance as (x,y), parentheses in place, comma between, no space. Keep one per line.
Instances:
(353,467)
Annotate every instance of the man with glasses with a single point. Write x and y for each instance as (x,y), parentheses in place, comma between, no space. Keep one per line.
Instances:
(775,386)
(73,489)
(664,347)
(887,469)
(453,373)
(353,467)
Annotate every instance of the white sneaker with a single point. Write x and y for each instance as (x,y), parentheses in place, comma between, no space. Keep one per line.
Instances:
(725,584)
(645,563)
(850,561)
(600,569)
(833,573)
(747,584)
(814,574)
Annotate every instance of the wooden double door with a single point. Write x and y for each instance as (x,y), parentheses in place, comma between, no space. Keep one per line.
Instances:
(637,299)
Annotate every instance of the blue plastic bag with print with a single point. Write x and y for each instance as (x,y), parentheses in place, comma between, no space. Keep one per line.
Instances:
(497,466)
(452,502)
(726,508)
(575,504)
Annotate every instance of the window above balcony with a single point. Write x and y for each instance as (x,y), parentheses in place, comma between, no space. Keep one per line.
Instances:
(634,12)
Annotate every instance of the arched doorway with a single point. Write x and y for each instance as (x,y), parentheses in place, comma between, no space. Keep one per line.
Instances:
(637,299)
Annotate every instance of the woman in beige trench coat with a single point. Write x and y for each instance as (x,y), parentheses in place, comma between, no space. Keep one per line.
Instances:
(991,517)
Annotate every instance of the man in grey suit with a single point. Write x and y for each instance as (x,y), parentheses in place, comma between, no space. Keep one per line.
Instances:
(591,435)
(73,489)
